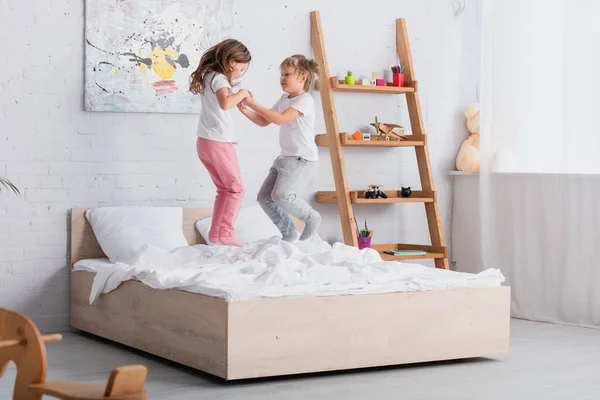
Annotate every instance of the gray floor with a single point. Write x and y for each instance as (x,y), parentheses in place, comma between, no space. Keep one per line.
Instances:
(546,362)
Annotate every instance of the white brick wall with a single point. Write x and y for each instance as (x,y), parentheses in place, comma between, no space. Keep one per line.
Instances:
(61,157)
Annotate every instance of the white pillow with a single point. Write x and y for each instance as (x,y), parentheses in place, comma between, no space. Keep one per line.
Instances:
(122,231)
(251,225)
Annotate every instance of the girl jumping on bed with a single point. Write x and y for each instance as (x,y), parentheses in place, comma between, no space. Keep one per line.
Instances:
(296,166)
(219,66)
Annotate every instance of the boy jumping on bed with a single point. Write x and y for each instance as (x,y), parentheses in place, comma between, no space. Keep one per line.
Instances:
(297,164)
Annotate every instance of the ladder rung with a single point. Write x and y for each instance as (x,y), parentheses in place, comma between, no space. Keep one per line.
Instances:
(339,86)
(358,197)
(431,251)
(410,141)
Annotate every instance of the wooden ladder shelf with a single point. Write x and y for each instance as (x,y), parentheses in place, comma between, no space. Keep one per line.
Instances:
(327,85)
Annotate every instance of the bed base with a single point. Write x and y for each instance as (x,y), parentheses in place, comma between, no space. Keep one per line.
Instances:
(281,336)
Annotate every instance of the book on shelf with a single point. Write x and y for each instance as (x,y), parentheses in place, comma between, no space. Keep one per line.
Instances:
(406,252)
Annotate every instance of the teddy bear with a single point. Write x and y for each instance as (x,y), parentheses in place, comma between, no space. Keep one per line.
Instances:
(467,159)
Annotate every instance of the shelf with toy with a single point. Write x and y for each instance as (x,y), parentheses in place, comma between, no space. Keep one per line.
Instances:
(430,251)
(393,196)
(347,140)
(401,81)
(341,86)
(461,173)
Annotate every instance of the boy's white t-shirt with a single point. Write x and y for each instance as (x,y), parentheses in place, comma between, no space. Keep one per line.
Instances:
(297,137)
(215,123)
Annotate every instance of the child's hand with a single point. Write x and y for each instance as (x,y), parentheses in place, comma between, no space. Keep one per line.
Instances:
(241,105)
(250,101)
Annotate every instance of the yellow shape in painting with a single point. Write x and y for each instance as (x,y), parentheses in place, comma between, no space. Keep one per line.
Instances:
(160,65)
(143,67)
(116,71)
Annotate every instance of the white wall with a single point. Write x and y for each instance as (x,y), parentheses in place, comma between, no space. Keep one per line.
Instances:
(62,157)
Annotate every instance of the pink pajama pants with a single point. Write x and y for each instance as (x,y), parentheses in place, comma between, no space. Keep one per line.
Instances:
(220,159)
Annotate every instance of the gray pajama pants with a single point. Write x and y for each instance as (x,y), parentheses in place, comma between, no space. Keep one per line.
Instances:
(278,194)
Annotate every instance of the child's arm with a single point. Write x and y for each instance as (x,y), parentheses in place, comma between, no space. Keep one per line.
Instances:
(226,102)
(252,116)
(273,116)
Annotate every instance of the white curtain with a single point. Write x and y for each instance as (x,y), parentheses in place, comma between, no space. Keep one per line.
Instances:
(540,155)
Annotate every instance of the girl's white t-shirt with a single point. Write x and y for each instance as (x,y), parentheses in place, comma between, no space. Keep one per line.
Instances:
(215,123)
(297,137)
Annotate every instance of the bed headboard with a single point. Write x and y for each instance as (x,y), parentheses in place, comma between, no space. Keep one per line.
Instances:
(84,244)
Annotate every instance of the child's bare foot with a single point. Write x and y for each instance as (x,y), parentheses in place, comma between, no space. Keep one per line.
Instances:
(214,239)
(230,241)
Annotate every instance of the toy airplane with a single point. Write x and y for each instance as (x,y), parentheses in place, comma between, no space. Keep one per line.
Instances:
(386,131)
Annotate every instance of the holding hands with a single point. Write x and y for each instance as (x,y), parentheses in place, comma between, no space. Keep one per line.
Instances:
(244,93)
(248,99)
(251,109)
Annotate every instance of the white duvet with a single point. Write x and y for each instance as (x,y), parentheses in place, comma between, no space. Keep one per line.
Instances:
(273,268)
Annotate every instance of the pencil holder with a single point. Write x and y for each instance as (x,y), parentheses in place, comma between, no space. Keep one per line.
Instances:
(398,80)
(364,242)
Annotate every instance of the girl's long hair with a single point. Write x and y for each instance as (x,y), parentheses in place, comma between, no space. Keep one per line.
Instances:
(218,59)
(304,66)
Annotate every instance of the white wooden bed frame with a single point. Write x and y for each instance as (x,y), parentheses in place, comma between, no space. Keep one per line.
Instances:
(281,336)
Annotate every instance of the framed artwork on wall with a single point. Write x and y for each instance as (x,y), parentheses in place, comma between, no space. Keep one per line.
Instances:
(139,54)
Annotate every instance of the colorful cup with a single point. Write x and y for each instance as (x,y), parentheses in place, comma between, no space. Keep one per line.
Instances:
(364,242)
(398,80)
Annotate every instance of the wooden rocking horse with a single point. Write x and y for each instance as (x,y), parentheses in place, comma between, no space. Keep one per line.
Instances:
(22,342)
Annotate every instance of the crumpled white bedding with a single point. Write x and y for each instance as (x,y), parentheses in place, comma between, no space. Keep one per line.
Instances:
(273,268)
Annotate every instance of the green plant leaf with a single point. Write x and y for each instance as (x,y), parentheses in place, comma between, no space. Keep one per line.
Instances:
(6,184)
